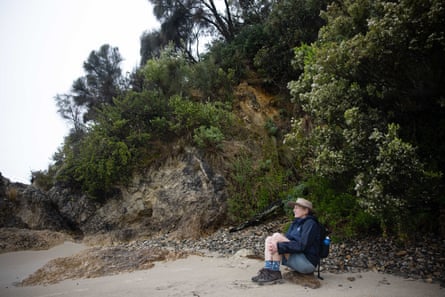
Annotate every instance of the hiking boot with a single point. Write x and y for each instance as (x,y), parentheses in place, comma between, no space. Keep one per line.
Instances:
(259,275)
(269,277)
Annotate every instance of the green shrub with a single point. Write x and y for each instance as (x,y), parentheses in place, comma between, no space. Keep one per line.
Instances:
(208,137)
(271,128)
(254,185)
(96,164)
(102,164)
(43,179)
(341,212)
(188,115)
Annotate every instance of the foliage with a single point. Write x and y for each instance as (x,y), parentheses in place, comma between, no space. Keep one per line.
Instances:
(387,190)
(126,134)
(101,84)
(255,183)
(171,74)
(114,147)
(210,82)
(266,47)
(151,46)
(237,56)
(290,24)
(271,127)
(188,115)
(70,111)
(371,88)
(102,164)
(43,179)
(208,137)
(186,23)
(96,163)
(167,74)
(340,212)
(367,84)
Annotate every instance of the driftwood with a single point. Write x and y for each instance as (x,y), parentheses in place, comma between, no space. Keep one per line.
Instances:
(261,217)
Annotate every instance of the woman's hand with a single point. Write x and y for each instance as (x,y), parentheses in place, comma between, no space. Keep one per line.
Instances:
(272,247)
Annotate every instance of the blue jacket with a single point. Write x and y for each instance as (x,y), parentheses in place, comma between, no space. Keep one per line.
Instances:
(304,236)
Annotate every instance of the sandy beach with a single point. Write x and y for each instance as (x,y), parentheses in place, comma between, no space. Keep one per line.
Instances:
(196,276)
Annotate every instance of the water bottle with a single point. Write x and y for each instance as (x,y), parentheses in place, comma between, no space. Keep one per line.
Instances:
(327,241)
(324,252)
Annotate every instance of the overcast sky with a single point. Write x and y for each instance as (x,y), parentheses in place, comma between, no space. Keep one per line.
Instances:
(43,46)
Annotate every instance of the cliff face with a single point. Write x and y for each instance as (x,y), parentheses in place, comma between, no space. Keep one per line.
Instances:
(185,196)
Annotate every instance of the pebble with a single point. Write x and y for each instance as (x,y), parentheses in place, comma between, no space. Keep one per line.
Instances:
(424,259)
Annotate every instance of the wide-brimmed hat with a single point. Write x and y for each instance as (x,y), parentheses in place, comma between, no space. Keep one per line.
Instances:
(302,202)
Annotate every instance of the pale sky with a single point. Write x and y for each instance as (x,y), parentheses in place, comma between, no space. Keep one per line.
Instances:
(43,46)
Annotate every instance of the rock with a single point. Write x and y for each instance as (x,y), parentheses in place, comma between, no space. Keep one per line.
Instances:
(183,197)
(244,253)
(24,206)
(305,280)
(75,208)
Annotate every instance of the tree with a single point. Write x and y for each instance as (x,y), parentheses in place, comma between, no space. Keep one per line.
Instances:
(291,23)
(70,111)
(102,82)
(372,93)
(185,22)
(204,14)
(151,46)
(254,11)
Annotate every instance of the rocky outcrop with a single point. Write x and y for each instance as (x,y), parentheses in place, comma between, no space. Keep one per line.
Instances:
(183,197)
(75,208)
(24,206)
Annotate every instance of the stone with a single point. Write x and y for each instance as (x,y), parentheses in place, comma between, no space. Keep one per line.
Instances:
(24,206)
(305,280)
(184,197)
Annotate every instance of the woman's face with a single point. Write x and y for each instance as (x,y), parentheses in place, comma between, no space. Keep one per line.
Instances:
(300,211)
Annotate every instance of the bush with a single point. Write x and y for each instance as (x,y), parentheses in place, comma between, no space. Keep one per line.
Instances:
(43,179)
(188,115)
(254,185)
(341,212)
(208,137)
(354,106)
(96,164)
